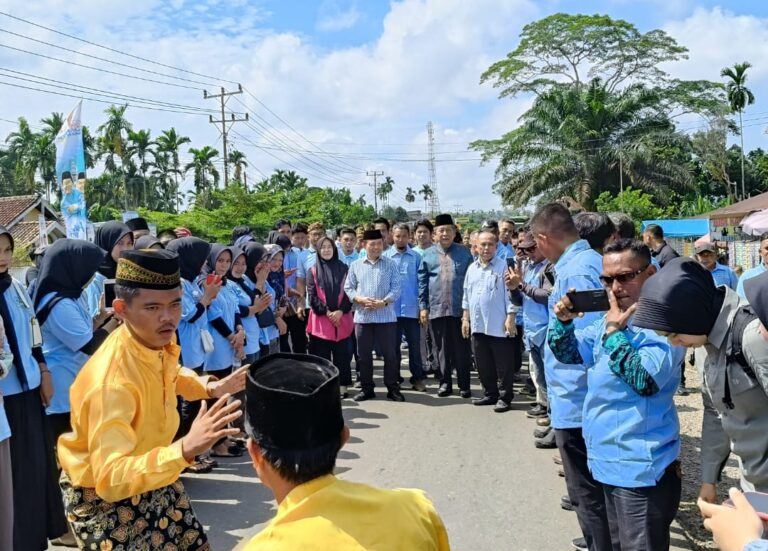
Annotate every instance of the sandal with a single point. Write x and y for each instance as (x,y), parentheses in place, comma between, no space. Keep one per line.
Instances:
(199,468)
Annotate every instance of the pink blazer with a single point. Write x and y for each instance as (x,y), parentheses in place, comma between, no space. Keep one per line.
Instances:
(321,326)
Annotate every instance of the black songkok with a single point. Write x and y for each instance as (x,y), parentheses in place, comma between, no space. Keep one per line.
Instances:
(372,234)
(444,220)
(148,269)
(293,402)
(137,224)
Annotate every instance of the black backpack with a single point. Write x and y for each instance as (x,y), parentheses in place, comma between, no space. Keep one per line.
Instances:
(744,316)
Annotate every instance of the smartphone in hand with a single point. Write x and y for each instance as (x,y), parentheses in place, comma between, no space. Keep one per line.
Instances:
(593,300)
(758,500)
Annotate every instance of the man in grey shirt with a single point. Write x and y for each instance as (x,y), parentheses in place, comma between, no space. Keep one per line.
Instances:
(683,304)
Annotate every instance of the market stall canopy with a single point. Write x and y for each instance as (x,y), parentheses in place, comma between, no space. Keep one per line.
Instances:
(742,208)
(691,227)
(755,223)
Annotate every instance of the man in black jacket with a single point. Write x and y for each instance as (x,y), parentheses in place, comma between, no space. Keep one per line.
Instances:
(653,236)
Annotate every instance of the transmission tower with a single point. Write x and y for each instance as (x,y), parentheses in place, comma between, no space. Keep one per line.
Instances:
(434,200)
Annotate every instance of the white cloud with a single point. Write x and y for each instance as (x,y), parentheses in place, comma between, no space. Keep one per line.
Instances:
(333,17)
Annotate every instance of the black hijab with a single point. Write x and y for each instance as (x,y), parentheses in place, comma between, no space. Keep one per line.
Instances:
(217,249)
(68,265)
(107,236)
(237,252)
(10,332)
(193,253)
(147,242)
(330,274)
(253,253)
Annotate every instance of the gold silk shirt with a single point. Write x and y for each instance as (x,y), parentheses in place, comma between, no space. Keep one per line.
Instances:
(328,513)
(124,418)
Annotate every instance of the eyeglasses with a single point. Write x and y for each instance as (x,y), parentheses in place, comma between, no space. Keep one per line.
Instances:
(607,281)
(526,249)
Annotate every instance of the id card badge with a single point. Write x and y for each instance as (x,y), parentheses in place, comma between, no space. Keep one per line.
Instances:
(37,334)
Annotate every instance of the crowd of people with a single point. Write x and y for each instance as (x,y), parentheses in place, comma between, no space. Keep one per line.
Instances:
(273,336)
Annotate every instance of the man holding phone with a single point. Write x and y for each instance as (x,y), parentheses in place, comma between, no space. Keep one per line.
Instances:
(630,420)
(578,267)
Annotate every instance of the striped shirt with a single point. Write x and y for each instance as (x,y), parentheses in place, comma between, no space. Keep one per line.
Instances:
(377,280)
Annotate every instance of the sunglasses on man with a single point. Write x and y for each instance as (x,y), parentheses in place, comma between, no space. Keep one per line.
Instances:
(607,281)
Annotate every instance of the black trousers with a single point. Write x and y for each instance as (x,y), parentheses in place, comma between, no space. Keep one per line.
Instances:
(586,493)
(382,337)
(452,351)
(517,340)
(494,361)
(297,329)
(337,352)
(641,517)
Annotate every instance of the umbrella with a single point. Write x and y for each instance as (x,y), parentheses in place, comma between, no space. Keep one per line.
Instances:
(755,223)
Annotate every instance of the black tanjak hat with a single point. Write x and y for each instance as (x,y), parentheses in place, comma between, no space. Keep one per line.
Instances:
(756,291)
(372,234)
(293,402)
(148,269)
(443,220)
(137,224)
(680,298)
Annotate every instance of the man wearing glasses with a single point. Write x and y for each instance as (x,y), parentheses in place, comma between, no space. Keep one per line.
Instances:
(630,422)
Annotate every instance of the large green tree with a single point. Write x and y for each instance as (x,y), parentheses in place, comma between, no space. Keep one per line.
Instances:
(739,96)
(168,144)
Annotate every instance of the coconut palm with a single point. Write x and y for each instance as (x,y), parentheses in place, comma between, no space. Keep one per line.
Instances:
(139,147)
(384,189)
(237,159)
(169,143)
(47,148)
(574,142)
(23,147)
(426,192)
(739,96)
(205,175)
(410,195)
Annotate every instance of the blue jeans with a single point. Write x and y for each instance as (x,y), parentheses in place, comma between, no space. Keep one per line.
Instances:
(410,328)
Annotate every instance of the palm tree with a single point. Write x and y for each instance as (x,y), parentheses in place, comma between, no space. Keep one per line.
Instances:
(168,143)
(237,159)
(739,96)
(140,146)
(410,195)
(202,167)
(23,146)
(581,142)
(426,192)
(112,142)
(47,163)
(386,188)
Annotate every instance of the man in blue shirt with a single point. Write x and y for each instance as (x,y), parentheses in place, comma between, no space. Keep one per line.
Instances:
(347,252)
(757,270)
(578,267)
(441,289)
(706,254)
(630,420)
(373,286)
(489,317)
(296,325)
(407,306)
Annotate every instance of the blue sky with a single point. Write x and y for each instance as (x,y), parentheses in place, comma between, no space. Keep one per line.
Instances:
(357,79)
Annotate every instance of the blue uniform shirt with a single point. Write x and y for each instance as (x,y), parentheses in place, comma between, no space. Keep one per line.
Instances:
(268,334)
(92,294)
(21,317)
(250,324)
(749,274)
(407,306)
(348,259)
(723,275)
(291,262)
(631,439)
(224,306)
(535,315)
(486,297)
(68,328)
(579,268)
(190,339)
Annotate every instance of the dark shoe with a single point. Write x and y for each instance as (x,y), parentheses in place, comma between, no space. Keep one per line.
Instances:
(547,442)
(465,394)
(536,411)
(541,432)
(557,460)
(502,406)
(400,379)
(682,391)
(395,395)
(358,384)
(561,472)
(565,503)
(444,391)
(364,395)
(419,386)
(543,421)
(580,544)
(485,401)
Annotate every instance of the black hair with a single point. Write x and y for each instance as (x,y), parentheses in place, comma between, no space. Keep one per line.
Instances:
(240,231)
(507,221)
(424,222)
(595,227)
(282,222)
(555,219)
(300,466)
(655,231)
(299,227)
(764,236)
(638,248)
(166,235)
(382,220)
(402,226)
(625,227)
(347,229)
(126,293)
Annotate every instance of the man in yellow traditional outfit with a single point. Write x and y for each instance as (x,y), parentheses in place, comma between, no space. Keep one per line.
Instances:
(293,418)
(120,465)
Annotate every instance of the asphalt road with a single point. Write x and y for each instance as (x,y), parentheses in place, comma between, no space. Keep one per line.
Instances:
(493,489)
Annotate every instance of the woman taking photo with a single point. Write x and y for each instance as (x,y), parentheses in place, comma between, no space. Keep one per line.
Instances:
(250,305)
(330,322)
(114,237)
(27,390)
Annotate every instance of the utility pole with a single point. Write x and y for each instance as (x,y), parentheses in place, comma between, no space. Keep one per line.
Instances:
(434,200)
(223,96)
(375,174)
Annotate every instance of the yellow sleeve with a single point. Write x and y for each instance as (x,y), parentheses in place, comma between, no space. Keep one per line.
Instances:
(118,475)
(190,386)
(440,532)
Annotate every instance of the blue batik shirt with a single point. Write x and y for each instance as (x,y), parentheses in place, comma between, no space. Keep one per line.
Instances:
(579,268)
(441,280)
(407,306)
